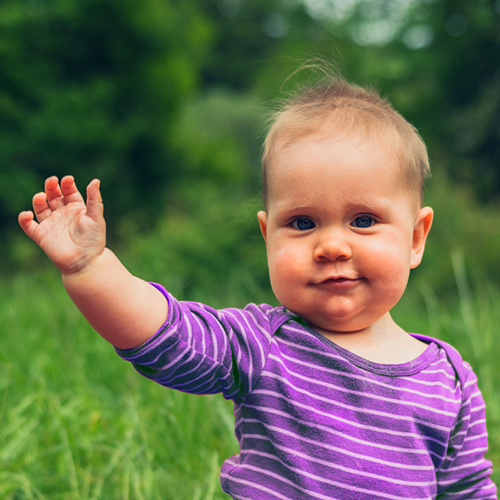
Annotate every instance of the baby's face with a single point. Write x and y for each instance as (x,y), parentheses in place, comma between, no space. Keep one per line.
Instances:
(341,232)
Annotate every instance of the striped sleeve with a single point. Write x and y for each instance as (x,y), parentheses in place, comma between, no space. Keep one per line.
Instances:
(465,473)
(201,350)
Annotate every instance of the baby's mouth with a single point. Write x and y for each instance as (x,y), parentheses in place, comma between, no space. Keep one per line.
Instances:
(338,281)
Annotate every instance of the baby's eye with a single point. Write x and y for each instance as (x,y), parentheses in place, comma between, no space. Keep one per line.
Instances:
(364,221)
(303,224)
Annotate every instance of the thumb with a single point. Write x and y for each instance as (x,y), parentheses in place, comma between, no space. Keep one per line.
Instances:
(95,207)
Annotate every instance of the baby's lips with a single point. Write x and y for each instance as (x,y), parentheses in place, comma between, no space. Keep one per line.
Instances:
(337,279)
(338,282)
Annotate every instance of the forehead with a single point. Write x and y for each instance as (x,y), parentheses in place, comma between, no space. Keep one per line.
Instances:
(353,162)
(337,173)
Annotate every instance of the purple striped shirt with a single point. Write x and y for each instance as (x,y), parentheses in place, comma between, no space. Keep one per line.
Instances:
(315,421)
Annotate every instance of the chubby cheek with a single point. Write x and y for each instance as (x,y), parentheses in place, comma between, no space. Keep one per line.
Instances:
(390,267)
(285,266)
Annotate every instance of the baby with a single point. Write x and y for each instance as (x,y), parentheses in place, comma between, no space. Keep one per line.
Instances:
(332,399)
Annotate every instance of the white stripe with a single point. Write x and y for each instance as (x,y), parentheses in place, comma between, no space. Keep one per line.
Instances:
(189,329)
(170,379)
(459,467)
(435,383)
(333,448)
(165,334)
(444,372)
(168,365)
(255,485)
(471,397)
(174,375)
(190,383)
(349,437)
(481,421)
(257,324)
(478,408)
(463,419)
(301,347)
(226,346)
(205,332)
(317,478)
(471,438)
(353,408)
(471,490)
(339,357)
(362,473)
(252,331)
(366,379)
(449,372)
(363,394)
(470,382)
(482,448)
(238,497)
(230,396)
(203,341)
(275,476)
(152,346)
(243,333)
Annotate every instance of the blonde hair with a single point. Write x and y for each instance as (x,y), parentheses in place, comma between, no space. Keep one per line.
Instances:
(332,105)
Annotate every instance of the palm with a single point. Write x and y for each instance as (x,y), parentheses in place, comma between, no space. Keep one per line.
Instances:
(71,233)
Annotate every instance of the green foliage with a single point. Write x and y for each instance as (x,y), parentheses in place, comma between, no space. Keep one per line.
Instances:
(241,44)
(208,242)
(461,225)
(448,86)
(93,89)
(78,423)
(162,101)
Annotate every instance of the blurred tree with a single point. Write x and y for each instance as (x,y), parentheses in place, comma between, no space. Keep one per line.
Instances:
(468,35)
(440,62)
(93,88)
(249,35)
(133,95)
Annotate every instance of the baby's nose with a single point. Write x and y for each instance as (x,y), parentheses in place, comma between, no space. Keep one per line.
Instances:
(332,245)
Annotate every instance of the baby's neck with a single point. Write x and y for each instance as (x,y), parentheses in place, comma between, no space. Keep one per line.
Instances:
(383,342)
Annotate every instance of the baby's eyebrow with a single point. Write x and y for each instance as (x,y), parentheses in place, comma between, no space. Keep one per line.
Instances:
(285,209)
(355,206)
(298,207)
(367,207)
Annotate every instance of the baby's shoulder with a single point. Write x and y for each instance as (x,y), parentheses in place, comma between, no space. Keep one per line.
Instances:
(266,315)
(461,368)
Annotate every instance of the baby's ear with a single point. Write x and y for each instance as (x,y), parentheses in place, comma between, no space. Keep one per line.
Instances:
(262,216)
(423,224)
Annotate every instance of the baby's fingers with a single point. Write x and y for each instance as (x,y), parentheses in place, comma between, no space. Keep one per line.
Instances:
(41,207)
(27,223)
(55,198)
(70,191)
(94,201)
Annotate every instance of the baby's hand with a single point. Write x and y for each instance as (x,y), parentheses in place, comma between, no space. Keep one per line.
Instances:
(71,233)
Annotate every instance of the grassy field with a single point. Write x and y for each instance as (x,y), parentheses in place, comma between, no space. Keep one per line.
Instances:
(77,422)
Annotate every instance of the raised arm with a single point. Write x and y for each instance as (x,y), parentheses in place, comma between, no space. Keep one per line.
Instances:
(122,308)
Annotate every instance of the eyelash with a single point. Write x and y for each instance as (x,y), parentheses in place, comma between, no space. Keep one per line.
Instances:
(364,216)
(295,223)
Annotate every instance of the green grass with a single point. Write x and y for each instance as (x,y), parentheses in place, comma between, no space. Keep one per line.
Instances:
(78,423)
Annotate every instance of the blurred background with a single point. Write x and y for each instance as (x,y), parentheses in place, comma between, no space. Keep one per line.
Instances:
(164,102)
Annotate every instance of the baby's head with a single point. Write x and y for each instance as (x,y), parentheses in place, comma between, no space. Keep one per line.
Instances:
(343,177)
(337,107)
